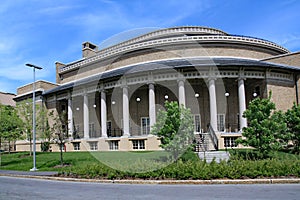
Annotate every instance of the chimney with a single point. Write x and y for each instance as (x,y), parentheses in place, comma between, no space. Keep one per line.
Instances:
(58,65)
(88,49)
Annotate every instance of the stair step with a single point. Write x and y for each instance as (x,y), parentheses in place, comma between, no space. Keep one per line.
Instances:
(217,155)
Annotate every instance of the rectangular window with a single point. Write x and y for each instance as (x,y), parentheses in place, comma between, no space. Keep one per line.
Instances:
(108,126)
(114,145)
(145,125)
(92,131)
(138,144)
(76,146)
(197,123)
(221,122)
(93,145)
(230,142)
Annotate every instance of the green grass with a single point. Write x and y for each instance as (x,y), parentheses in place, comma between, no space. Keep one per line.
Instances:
(46,161)
(156,165)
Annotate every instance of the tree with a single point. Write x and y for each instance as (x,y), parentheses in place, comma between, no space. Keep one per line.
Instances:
(59,128)
(292,117)
(10,125)
(265,126)
(175,129)
(25,113)
(43,129)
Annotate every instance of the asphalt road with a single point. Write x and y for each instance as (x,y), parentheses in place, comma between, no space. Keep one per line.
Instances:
(24,188)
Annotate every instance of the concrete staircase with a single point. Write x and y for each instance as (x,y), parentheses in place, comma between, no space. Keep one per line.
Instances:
(217,155)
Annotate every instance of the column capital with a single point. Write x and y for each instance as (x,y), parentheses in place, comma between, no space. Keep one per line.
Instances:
(150,79)
(241,78)
(181,79)
(101,87)
(211,79)
(102,90)
(69,96)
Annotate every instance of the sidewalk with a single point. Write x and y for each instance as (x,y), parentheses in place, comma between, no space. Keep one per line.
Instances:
(26,173)
(50,176)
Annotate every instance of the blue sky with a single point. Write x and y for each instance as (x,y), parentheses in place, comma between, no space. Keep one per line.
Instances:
(44,31)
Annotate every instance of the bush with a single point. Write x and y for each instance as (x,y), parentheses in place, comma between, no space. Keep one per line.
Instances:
(45,146)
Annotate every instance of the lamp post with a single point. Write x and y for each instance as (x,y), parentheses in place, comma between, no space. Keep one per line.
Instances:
(33,115)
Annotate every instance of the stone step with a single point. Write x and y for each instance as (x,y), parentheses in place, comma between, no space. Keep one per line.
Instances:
(209,156)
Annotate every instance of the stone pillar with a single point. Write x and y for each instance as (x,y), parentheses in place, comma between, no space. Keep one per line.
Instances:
(70,117)
(103,114)
(213,103)
(125,112)
(152,111)
(181,92)
(86,116)
(242,103)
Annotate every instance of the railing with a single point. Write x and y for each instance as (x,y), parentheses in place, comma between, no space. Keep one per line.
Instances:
(153,43)
(200,142)
(213,136)
(114,132)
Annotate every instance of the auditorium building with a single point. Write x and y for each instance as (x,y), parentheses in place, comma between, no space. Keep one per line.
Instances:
(112,95)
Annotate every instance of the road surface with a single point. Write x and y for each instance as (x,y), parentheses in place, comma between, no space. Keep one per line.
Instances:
(25,188)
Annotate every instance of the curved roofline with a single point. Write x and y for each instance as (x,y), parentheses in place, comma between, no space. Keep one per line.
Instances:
(113,51)
(172,64)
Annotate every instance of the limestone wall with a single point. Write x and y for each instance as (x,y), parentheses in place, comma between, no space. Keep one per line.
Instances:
(282,96)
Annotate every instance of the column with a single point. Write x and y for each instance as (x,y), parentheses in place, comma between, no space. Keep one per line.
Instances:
(152,111)
(181,92)
(125,112)
(85,116)
(213,103)
(70,117)
(242,103)
(103,114)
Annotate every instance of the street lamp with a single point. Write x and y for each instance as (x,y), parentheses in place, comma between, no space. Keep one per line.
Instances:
(33,115)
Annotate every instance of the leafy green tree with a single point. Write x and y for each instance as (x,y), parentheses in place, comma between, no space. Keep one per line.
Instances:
(174,127)
(10,125)
(25,112)
(43,128)
(60,131)
(265,126)
(293,125)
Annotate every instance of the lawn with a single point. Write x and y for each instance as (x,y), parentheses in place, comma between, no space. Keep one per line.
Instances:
(50,161)
(156,165)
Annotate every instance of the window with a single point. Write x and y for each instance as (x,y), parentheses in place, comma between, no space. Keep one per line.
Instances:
(145,126)
(114,145)
(221,122)
(138,144)
(76,146)
(92,131)
(108,126)
(197,123)
(76,133)
(230,142)
(93,145)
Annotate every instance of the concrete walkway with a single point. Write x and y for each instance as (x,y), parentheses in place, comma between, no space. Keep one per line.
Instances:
(26,173)
(51,176)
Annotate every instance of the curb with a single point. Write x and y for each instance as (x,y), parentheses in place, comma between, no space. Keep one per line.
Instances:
(167,182)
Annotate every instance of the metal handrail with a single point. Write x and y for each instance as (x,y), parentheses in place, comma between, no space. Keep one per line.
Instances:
(213,136)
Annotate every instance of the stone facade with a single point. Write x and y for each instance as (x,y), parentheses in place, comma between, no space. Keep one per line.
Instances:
(112,96)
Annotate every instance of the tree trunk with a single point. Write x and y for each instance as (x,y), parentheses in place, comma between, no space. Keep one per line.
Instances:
(8,146)
(61,155)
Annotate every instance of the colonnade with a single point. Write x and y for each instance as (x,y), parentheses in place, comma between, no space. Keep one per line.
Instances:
(152,110)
